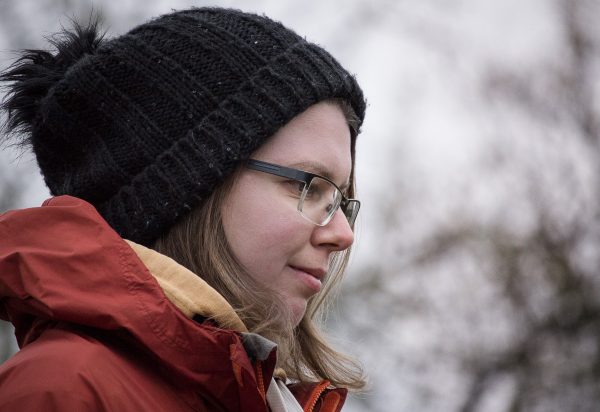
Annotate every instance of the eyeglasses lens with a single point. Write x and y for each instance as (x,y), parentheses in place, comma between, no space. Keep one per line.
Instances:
(351,211)
(319,201)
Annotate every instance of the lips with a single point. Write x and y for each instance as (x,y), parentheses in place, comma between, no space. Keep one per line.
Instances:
(311,278)
(316,273)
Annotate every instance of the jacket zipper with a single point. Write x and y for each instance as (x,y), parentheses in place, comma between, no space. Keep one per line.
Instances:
(317,392)
(260,381)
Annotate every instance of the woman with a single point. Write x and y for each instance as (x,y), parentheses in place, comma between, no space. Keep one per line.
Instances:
(202,168)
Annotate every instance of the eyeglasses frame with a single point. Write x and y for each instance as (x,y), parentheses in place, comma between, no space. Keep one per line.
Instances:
(306,178)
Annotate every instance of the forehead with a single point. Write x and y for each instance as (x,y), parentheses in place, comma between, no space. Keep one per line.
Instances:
(317,140)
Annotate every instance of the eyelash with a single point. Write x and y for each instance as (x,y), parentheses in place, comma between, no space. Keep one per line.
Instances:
(296,185)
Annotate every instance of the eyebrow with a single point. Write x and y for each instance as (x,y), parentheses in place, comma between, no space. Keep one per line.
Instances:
(318,169)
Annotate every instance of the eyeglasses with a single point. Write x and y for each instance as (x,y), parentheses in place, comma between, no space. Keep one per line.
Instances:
(318,197)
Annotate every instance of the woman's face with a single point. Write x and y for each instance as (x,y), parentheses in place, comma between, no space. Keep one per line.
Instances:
(276,245)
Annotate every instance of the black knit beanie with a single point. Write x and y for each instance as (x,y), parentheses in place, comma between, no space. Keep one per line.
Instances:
(145,125)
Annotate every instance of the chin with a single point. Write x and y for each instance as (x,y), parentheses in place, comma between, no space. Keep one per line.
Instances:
(298,309)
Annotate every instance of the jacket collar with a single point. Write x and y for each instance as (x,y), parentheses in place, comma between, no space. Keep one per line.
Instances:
(187,291)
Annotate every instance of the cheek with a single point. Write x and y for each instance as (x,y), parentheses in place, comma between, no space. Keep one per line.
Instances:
(261,235)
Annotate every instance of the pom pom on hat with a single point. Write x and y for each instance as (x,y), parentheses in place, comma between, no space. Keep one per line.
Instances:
(35,73)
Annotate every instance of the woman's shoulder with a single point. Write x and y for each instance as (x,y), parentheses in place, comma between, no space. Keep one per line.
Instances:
(70,369)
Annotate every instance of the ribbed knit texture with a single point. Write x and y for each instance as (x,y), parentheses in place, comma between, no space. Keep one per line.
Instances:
(149,124)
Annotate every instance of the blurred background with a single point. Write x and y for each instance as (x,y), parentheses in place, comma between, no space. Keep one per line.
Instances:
(474,285)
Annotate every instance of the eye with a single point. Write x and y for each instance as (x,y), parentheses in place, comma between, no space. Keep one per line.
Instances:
(317,189)
(295,187)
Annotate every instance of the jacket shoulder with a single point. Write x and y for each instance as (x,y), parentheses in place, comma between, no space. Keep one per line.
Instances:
(70,370)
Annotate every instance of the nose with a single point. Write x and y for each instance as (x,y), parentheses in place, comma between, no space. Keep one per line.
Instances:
(336,235)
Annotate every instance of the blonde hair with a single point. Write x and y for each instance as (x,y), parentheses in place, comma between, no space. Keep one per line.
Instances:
(198,242)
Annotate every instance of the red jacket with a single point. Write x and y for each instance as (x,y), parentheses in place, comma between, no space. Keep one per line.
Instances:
(97,332)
